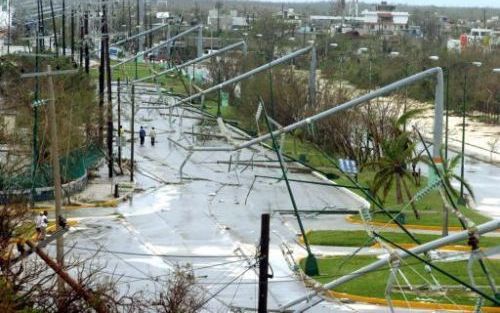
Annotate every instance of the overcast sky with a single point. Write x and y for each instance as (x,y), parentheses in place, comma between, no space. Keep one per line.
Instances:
(455,3)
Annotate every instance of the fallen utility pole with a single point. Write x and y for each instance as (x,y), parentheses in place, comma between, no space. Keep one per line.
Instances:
(165,43)
(245,75)
(194,61)
(88,296)
(432,245)
(263,263)
(364,99)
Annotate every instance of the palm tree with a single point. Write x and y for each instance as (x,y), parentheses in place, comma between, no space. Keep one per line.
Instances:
(393,169)
(447,171)
(398,151)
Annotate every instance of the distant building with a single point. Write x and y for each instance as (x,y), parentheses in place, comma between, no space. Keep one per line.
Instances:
(4,15)
(385,20)
(217,20)
(289,16)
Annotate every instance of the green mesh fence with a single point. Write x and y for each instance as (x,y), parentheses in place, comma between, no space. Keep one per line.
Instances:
(73,166)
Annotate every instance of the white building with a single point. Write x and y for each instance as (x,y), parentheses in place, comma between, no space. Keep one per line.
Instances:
(289,16)
(4,14)
(385,20)
(225,21)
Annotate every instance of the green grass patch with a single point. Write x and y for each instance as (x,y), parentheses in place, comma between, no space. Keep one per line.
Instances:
(430,207)
(373,284)
(359,238)
(171,82)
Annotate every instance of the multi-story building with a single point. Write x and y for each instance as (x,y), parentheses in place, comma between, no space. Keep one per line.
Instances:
(217,20)
(4,15)
(385,20)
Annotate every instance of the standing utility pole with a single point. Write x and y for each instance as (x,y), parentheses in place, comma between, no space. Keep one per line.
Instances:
(56,173)
(54,29)
(63,26)
(72,35)
(101,101)
(9,21)
(132,134)
(86,34)
(263,263)
(41,26)
(120,137)
(82,32)
(110,94)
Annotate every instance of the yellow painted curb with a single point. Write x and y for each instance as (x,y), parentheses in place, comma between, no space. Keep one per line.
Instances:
(412,304)
(52,228)
(352,220)
(412,245)
(308,281)
(105,203)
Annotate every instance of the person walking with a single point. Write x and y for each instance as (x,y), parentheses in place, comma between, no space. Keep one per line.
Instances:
(152,134)
(142,135)
(44,224)
(120,140)
(38,225)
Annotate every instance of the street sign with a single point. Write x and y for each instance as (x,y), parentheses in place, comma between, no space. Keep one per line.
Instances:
(348,166)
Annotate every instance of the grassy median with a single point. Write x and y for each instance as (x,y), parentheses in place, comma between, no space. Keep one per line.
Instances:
(373,284)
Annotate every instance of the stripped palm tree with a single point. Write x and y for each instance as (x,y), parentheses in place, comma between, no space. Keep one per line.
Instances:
(398,151)
(447,173)
(393,170)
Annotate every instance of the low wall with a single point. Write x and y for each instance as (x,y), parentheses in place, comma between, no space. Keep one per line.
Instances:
(44,193)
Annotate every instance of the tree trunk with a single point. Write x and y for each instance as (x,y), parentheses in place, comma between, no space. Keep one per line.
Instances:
(408,194)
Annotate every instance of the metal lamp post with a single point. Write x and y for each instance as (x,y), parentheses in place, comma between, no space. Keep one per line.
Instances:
(446,104)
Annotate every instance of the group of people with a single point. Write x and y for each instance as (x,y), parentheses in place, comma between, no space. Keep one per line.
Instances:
(152,135)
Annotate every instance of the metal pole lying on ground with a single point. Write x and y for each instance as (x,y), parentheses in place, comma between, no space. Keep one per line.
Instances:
(194,61)
(432,245)
(245,75)
(438,106)
(157,47)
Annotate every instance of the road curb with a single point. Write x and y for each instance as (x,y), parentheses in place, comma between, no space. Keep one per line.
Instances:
(376,245)
(314,284)
(411,304)
(350,219)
